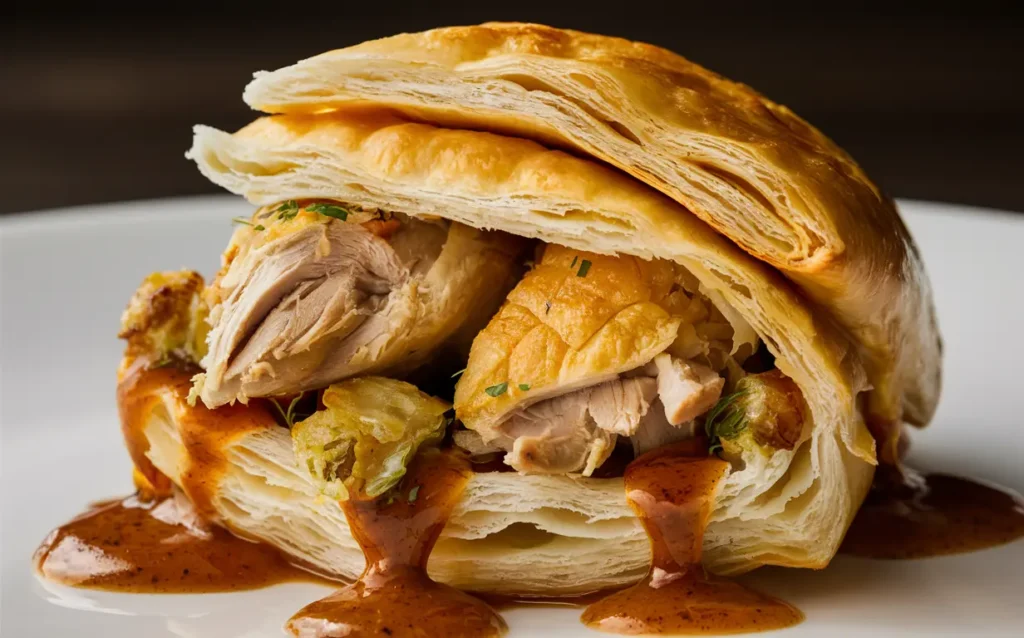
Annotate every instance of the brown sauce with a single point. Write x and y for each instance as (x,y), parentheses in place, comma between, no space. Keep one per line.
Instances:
(162,543)
(157,547)
(672,491)
(206,434)
(394,596)
(158,541)
(912,515)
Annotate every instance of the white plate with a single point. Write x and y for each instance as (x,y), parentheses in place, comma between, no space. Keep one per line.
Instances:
(65,277)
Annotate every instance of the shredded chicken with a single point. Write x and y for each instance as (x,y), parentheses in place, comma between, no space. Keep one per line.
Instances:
(294,312)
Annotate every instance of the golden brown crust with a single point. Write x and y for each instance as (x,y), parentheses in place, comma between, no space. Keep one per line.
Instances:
(165,316)
(750,168)
(375,159)
(560,329)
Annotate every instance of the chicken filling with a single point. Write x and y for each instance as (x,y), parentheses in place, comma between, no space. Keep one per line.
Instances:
(576,432)
(309,298)
(666,401)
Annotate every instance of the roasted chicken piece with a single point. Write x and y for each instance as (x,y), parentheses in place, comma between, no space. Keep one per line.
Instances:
(311,293)
(589,348)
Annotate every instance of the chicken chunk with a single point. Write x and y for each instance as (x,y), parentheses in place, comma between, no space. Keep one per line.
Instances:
(619,406)
(312,300)
(686,389)
(556,436)
(576,432)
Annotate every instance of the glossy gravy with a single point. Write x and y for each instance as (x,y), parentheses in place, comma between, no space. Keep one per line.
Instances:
(157,548)
(912,515)
(394,596)
(672,491)
(206,434)
(157,541)
(161,542)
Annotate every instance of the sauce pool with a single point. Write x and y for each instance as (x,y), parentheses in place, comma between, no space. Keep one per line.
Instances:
(157,547)
(908,514)
(672,491)
(168,541)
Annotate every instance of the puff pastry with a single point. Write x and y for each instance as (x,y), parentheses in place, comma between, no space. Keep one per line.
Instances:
(510,534)
(789,506)
(746,166)
(697,245)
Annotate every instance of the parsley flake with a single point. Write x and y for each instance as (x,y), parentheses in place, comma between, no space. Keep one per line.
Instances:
(414,493)
(584,268)
(573,264)
(524,386)
(329,210)
(497,390)
(725,420)
(287,210)
(290,414)
(243,220)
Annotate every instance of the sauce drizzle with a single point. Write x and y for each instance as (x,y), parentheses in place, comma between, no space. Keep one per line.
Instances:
(672,489)
(157,547)
(394,596)
(908,514)
(206,434)
(167,541)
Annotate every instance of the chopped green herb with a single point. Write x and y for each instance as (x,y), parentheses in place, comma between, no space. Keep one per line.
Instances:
(524,386)
(725,420)
(414,493)
(289,414)
(459,373)
(242,220)
(497,390)
(573,264)
(329,210)
(287,210)
(584,268)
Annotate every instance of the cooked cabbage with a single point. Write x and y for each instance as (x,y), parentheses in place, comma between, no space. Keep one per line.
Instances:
(767,411)
(370,428)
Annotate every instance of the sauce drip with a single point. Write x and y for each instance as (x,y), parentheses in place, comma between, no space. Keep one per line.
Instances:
(157,547)
(672,490)
(394,596)
(206,434)
(912,515)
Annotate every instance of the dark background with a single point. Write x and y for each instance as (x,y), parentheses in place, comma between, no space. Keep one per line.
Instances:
(97,105)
